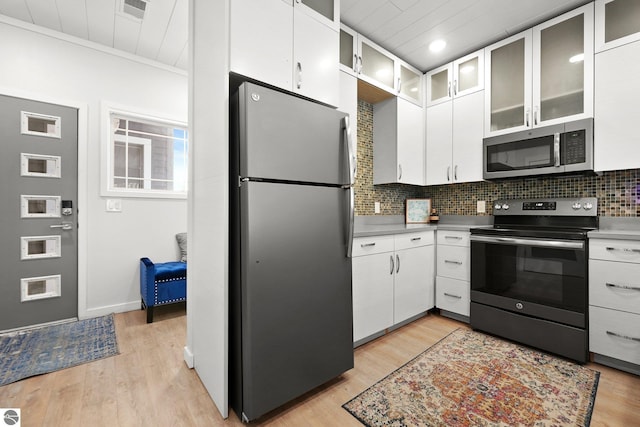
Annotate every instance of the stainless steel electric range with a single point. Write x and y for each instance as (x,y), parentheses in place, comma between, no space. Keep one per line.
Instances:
(529,274)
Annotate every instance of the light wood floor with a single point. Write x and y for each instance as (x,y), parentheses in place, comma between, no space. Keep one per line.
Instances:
(148,383)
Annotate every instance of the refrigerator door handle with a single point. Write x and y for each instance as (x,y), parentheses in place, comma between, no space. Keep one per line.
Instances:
(353,165)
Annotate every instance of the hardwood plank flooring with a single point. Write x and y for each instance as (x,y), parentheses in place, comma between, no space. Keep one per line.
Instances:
(148,383)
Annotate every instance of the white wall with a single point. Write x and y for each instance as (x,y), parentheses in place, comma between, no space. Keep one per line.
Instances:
(47,66)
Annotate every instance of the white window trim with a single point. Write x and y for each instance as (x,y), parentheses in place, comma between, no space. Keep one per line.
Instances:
(106,163)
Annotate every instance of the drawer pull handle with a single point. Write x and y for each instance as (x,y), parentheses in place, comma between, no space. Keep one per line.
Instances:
(626,337)
(613,285)
(452,296)
(453,237)
(453,262)
(366,245)
(415,239)
(637,251)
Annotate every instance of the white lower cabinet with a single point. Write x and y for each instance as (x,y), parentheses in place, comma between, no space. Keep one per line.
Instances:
(614,302)
(453,272)
(393,279)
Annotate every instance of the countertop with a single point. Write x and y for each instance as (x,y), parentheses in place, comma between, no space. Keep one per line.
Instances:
(377,225)
(617,228)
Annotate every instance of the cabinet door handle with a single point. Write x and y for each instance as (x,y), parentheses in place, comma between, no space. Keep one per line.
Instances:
(613,285)
(355,63)
(449,90)
(360,66)
(399,85)
(392,266)
(366,245)
(448,170)
(453,237)
(527,115)
(455,87)
(535,116)
(452,296)
(455,172)
(397,263)
(624,250)
(448,261)
(415,239)
(626,337)
(299,75)
(399,172)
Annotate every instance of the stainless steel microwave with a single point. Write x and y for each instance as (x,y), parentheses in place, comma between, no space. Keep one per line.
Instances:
(556,149)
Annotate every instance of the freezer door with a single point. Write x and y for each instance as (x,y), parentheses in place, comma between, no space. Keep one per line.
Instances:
(283,137)
(297,316)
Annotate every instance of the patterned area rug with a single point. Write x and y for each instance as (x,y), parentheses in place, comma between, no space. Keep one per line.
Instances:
(47,349)
(472,379)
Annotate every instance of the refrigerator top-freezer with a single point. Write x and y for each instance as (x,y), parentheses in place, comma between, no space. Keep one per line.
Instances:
(285,138)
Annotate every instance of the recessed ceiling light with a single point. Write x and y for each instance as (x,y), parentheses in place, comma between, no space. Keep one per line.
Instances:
(577,58)
(437,45)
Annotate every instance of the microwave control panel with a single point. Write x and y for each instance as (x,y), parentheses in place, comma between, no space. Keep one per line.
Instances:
(574,147)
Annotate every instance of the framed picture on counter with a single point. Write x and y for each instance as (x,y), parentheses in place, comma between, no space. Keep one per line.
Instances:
(417,211)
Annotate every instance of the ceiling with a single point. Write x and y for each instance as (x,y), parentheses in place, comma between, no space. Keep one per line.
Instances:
(404,27)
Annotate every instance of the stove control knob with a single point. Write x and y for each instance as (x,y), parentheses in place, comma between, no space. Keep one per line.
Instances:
(576,206)
(588,206)
(505,206)
(497,207)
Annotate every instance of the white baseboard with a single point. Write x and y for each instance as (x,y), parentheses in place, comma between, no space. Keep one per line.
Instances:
(188,357)
(108,309)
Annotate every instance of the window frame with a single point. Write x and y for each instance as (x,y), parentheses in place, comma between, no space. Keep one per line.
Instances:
(108,143)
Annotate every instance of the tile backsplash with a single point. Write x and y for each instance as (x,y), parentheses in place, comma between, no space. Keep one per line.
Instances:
(618,192)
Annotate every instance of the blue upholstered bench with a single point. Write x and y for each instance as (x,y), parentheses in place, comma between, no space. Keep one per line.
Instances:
(164,283)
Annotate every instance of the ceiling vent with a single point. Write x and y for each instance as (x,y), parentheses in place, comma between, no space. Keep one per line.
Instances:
(134,8)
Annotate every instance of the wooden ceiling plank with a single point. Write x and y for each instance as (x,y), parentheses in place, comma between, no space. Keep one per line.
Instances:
(45,14)
(73,17)
(154,26)
(16,9)
(101,21)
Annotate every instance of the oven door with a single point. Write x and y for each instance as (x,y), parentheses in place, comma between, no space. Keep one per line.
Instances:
(540,277)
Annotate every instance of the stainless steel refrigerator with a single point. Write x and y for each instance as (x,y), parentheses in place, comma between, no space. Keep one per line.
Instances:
(291,227)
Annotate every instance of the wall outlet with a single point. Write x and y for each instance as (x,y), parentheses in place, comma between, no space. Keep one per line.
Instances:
(376,207)
(481,206)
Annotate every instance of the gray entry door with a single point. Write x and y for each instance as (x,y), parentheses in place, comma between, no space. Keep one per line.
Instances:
(38,212)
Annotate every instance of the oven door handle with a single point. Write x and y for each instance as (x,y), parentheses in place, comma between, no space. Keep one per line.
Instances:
(544,243)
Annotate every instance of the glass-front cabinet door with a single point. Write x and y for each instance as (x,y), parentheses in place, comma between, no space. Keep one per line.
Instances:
(468,74)
(376,65)
(541,76)
(409,83)
(348,50)
(438,82)
(326,11)
(563,68)
(508,85)
(617,23)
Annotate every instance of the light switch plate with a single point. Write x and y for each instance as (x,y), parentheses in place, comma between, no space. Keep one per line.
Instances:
(114,205)
(481,206)
(376,207)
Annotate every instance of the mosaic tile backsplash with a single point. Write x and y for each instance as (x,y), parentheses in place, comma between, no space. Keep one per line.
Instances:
(618,192)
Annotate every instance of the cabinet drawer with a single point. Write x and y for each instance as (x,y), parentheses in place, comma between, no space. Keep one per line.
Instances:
(412,240)
(615,334)
(614,285)
(452,295)
(453,262)
(372,245)
(453,238)
(615,250)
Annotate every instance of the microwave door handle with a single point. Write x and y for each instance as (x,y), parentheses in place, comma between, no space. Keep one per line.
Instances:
(556,149)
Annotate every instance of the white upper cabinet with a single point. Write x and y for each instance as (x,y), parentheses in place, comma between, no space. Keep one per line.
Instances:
(458,78)
(293,46)
(398,142)
(617,23)
(371,63)
(541,76)
(409,82)
(325,11)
